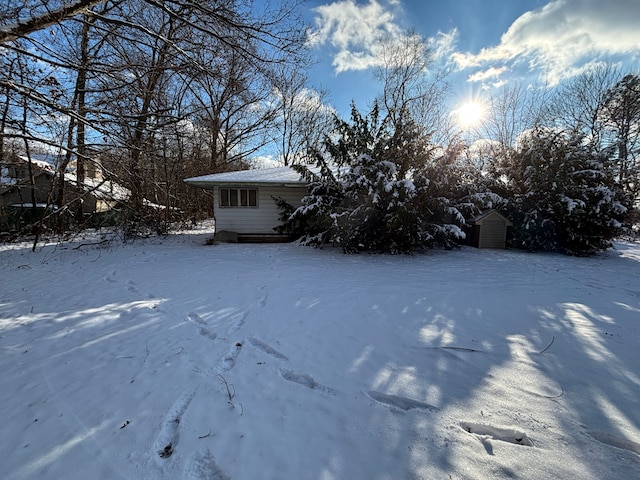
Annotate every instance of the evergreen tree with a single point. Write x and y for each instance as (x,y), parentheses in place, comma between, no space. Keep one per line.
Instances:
(314,222)
(379,188)
(563,196)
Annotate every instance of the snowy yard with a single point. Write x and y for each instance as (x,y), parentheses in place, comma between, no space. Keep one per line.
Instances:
(167,359)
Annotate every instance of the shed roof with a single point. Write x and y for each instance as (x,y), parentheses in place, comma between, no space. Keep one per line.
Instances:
(270,176)
(479,219)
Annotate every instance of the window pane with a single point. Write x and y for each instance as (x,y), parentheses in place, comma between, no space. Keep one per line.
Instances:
(224,197)
(238,197)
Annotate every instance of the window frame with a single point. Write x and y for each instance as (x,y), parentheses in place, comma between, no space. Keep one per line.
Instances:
(238,197)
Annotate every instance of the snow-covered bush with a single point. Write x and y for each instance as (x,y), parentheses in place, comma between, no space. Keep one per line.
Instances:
(315,221)
(563,195)
(379,187)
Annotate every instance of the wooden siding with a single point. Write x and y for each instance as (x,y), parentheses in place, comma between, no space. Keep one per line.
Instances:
(256,220)
(493,233)
(490,230)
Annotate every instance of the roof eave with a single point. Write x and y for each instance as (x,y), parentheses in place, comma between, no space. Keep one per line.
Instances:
(211,184)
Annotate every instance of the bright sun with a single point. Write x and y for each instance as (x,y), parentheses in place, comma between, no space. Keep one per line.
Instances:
(469,114)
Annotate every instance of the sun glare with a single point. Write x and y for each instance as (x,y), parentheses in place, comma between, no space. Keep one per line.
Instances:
(469,114)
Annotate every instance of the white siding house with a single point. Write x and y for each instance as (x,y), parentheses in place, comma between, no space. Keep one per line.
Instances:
(244,208)
(243,200)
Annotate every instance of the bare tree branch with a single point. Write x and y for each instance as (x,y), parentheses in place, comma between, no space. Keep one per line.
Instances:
(21,29)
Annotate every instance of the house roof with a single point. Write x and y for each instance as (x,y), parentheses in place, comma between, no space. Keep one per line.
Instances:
(102,189)
(283,176)
(45,161)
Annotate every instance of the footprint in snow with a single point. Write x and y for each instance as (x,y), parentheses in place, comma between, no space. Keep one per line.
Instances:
(201,465)
(306,380)
(131,286)
(167,438)
(194,317)
(263,300)
(269,350)
(238,321)
(208,333)
(126,315)
(617,442)
(509,435)
(399,402)
(204,330)
(228,361)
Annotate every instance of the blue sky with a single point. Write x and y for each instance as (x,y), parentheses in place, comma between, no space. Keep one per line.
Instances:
(485,43)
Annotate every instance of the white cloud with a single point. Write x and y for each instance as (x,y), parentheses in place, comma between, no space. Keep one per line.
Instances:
(355,31)
(560,37)
(443,44)
(490,73)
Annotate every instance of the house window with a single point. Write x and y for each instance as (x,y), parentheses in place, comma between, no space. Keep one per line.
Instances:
(238,197)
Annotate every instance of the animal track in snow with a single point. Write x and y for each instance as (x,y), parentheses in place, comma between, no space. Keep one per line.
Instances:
(306,380)
(201,465)
(617,442)
(167,439)
(510,435)
(401,403)
(260,345)
(228,361)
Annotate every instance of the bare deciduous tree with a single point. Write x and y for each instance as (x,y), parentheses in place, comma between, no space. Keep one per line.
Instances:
(302,115)
(577,105)
(621,111)
(412,84)
(129,78)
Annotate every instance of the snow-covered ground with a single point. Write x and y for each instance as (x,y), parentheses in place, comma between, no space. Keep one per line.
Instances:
(168,359)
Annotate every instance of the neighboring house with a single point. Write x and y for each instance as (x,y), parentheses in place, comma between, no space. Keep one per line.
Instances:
(243,201)
(17,191)
(17,169)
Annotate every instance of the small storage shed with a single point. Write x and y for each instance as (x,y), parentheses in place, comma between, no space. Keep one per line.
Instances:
(490,230)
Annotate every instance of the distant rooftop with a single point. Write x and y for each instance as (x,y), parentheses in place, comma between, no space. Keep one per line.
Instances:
(47,161)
